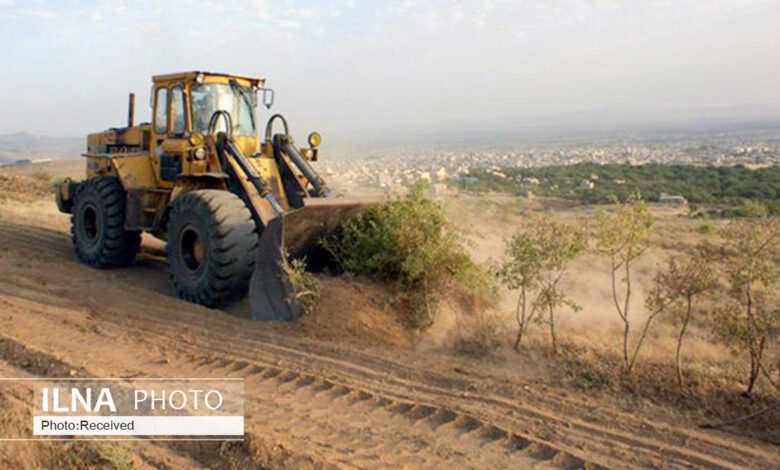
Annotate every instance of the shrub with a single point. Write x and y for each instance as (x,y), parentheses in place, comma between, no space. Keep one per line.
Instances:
(115,456)
(410,242)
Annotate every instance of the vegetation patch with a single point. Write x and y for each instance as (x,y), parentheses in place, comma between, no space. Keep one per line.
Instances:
(410,242)
(592,183)
(23,189)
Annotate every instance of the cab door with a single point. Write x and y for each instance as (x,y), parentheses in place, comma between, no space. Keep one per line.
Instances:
(171,128)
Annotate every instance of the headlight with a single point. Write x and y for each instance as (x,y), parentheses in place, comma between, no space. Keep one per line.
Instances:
(315,139)
(196,139)
(200,153)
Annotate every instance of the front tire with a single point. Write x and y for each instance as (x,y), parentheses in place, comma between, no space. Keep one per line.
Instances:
(98,225)
(211,247)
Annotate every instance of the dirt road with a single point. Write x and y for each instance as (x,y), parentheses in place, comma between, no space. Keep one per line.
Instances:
(313,403)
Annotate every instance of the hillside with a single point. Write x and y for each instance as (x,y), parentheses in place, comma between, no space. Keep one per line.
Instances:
(23,145)
(347,386)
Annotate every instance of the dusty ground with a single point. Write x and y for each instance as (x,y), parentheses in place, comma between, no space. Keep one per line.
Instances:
(346,387)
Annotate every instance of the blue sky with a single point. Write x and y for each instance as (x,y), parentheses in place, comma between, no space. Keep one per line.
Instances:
(350,67)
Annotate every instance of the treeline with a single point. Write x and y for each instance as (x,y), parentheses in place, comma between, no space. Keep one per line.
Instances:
(592,183)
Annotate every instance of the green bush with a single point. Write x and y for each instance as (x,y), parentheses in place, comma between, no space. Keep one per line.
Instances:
(410,242)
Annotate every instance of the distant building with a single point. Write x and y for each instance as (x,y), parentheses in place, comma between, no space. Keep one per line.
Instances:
(587,184)
(671,200)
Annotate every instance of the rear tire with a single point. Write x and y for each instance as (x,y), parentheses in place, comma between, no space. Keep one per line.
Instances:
(98,225)
(211,247)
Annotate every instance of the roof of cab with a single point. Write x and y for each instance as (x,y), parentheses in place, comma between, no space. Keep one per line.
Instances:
(193,74)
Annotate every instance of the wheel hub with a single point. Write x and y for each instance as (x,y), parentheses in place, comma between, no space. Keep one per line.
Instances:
(90,223)
(191,249)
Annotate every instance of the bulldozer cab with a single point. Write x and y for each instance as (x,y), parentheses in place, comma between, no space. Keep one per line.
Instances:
(183,106)
(238,100)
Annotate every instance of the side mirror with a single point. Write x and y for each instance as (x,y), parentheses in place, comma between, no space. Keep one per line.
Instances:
(268,97)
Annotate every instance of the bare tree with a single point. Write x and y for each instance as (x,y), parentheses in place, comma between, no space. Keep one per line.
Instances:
(536,262)
(623,236)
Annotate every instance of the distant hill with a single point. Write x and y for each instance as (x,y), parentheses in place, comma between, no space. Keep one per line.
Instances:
(21,145)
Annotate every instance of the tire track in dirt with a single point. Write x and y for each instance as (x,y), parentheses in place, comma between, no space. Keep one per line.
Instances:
(361,373)
(19,360)
(364,407)
(609,438)
(163,331)
(294,402)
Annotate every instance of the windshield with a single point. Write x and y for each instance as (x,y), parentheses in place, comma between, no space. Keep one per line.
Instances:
(235,99)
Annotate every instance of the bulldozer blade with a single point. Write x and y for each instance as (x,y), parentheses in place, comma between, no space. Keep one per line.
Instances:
(296,233)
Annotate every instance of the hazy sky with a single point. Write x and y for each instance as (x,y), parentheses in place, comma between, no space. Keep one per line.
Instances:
(348,67)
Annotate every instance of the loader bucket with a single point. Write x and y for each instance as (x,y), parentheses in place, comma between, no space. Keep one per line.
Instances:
(297,233)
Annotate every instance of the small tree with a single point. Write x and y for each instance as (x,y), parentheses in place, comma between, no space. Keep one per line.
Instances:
(748,318)
(520,271)
(623,236)
(536,262)
(675,288)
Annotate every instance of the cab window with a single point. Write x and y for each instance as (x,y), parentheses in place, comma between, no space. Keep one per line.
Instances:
(237,100)
(179,120)
(161,111)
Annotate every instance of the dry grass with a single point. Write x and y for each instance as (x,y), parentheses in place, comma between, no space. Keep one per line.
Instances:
(712,393)
(479,335)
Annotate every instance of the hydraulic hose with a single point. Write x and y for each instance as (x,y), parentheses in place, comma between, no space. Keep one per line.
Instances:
(221,113)
(270,126)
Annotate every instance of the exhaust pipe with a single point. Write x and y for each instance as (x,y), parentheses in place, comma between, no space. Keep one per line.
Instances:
(131,110)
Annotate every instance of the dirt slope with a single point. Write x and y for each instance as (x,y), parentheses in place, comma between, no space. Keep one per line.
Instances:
(318,395)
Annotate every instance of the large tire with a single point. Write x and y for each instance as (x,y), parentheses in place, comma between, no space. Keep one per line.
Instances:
(98,225)
(211,247)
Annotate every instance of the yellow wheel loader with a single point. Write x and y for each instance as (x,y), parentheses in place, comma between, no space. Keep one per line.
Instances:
(228,204)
